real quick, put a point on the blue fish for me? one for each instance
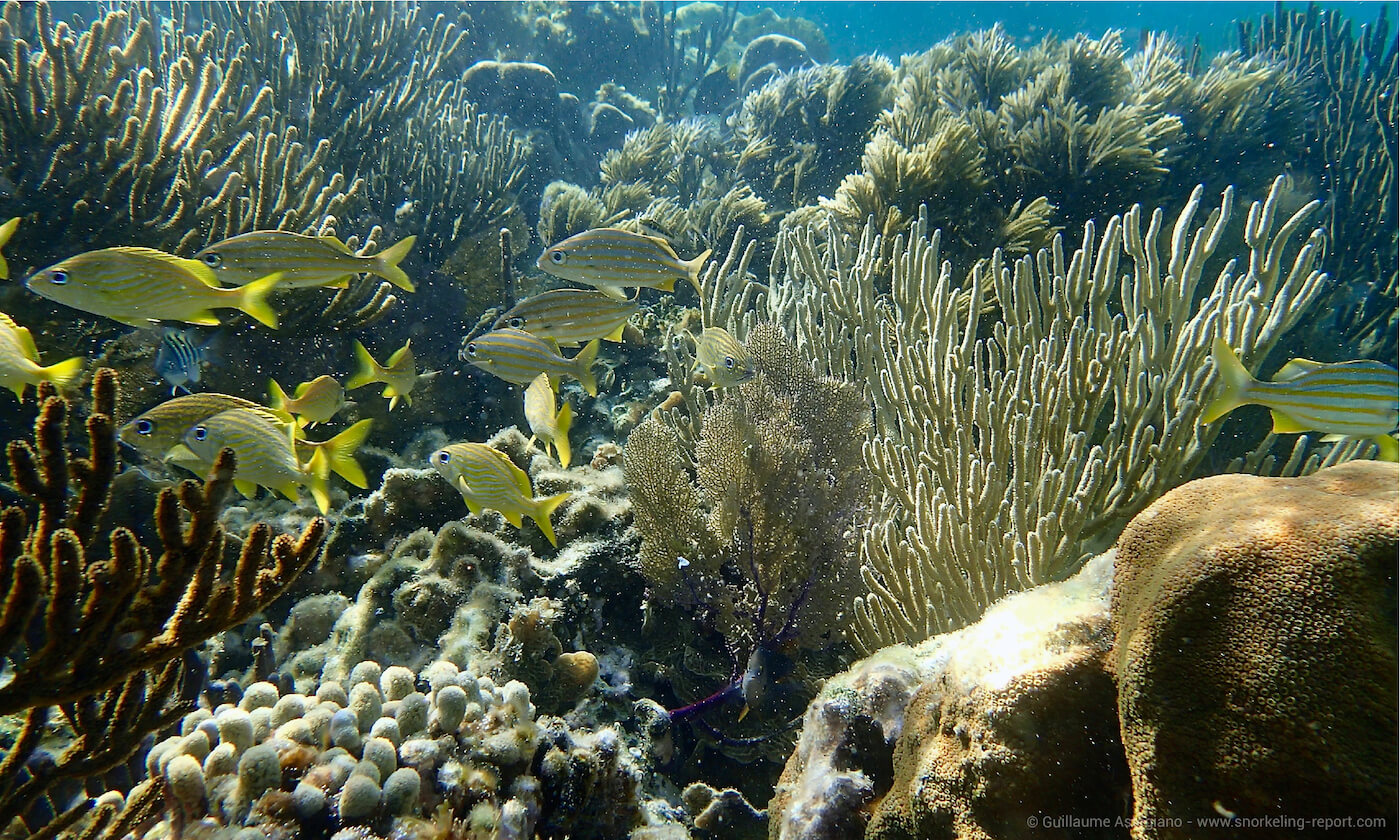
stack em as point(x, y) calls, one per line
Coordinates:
point(180, 361)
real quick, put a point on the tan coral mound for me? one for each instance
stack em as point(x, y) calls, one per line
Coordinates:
point(1255, 651)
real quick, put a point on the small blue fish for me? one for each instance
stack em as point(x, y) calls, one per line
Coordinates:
point(180, 361)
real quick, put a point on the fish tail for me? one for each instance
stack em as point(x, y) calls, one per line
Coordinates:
point(562, 421)
point(62, 373)
point(693, 267)
point(1237, 381)
point(279, 401)
point(317, 484)
point(540, 512)
point(583, 367)
point(1390, 448)
point(369, 373)
point(340, 453)
point(253, 299)
point(7, 230)
point(386, 263)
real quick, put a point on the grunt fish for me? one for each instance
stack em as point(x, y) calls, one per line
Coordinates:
point(140, 286)
point(612, 259)
point(7, 230)
point(314, 402)
point(570, 317)
point(180, 361)
point(158, 433)
point(19, 361)
point(1347, 399)
point(266, 454)
point(486, 478)
point(398, 374)
point(545, 424)
point(518, 357)
point(724, 359)
point(302, 260)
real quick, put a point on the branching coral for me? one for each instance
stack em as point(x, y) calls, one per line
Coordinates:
point(751, 538)
point(96, 625)
point(1353, 81)
point(1010, 448)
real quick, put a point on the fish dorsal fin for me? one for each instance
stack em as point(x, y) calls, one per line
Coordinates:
point(517, 475)
point(1296, 368)
point(194, 268)
point(663, 244)
point(26, 343)
point(7, 321)
point(399, 355)
point(335, 243)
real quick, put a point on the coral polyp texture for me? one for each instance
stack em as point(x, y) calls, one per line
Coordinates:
point(660, 371)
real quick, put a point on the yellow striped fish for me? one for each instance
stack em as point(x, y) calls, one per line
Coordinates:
point(570, 317)
point(314, 402)
point(545, 424)
point(19, 361)
point(7, 230)
point(611, 259)
point(486, 479)
point(518, 357)
point(139, 286)
point(398, 374)
point(302, 260)
point(159, 432)
point(1348, 399)
point(724, 359)
point(266, 454)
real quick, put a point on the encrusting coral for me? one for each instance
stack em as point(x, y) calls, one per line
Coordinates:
point(99, 626)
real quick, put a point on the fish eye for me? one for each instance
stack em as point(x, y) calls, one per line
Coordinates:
point(556, 257)
point(729, 362)
point(213, 260)
point(200, 433)
point(516, 323)
point(471, 349)
point(58, 278)
point(444, 457)
point(144, 427)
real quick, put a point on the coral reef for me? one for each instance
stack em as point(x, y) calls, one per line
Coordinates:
point(1255, 648)
point(969, 733)
point(99, 626)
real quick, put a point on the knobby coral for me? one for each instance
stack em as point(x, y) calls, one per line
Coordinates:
point(99, 626)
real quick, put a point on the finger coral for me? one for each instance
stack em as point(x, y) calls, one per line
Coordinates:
point(97, 625)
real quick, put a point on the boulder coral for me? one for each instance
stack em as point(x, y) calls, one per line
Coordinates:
point(1255, 649)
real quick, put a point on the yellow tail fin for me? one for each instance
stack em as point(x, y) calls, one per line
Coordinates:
point(316, 483)
point(279, 401)
point(339, 453)
point(64, 372)
point(562, 421)
point(254, 299)
point(369, 373)
point(1237, 381)
point(583, 367)
point(386, 263)
point(693, 267)
point(7, 230)
point(541, 513)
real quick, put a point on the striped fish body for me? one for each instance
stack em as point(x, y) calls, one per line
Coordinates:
point(398, 373)
point(19, 360)
point(314, 402)
point(156, 432)
point(487, 479)
point(545, 423)
point(303, 261)
point(518, 357)
point(724, 359)
point(265, 450)
point(1351, 399)
point(139, 286)
point(611, 259)
point(570, 317)
point(179, 360)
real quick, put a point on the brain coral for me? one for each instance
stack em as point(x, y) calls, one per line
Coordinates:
point(1255, 651)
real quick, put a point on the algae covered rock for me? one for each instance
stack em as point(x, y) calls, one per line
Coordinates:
point(974, 733)
point(1255, 623)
